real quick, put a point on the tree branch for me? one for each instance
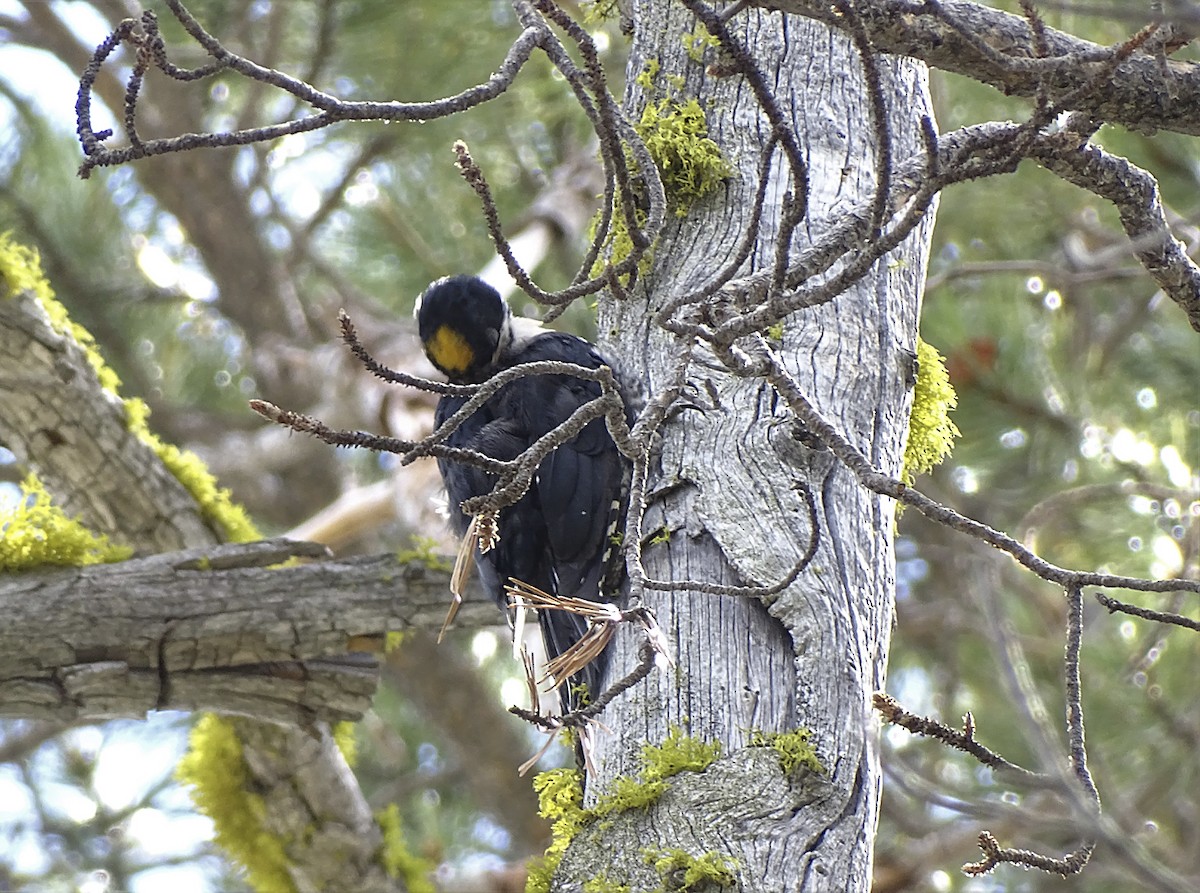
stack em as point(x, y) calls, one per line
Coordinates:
point(999, 49)
point(221, 629)
point(144, 35)
point(61, 419)
point(1134, 193)
point(964, 740)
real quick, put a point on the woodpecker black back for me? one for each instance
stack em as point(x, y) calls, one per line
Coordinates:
point(557, 537)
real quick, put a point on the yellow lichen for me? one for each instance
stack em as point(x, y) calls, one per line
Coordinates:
point(698, 41)
point(560, 799)
point(215, 502)
point(346, 741)
point(216, 771)
point(794, 749)
point(424, 550)
point(627, 793)
point(21, 271)
point(930, 432)
point(394, 638)
point(601, 883)
point(660, 536)
point(560, 795)
point(599, 11)
point(619, 243)
point(691, 165)
point(678, 753)
point(398, 860)
point(37, 533)
point(681, 871)
point(645, 78)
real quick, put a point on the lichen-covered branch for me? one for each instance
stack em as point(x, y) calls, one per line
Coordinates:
point(295, 671)
point(212, 629)
point(61, 418)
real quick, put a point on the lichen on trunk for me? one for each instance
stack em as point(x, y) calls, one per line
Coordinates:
point(722, 497)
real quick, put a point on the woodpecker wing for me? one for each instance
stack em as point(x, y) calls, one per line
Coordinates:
point(578, 488)
point(500, 438)
point(579, 483)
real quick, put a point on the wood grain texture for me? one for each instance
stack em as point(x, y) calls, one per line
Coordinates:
point(724, 489)
point(213, 629)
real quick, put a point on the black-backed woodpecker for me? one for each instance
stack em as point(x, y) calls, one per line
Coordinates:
point(558, 536)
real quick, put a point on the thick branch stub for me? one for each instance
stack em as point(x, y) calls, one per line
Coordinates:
point(225, 630)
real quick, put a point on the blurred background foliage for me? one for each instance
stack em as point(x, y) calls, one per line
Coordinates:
point(215, 276)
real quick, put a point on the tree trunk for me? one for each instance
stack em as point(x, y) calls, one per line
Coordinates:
point(723, 486)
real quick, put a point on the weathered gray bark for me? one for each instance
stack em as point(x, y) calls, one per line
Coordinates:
point(55, 416)
point(723, 488)
point(1145, 92)
point(331, 811)
point(314, 805)
point(215, 629)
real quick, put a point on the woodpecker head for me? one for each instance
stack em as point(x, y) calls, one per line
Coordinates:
point(464, 326)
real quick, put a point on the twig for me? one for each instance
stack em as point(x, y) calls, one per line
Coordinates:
point(878, 482)
point(647, 656)
point(882, 143)
point(963, 740)
point(350, 337)
point(365, 440)
point(329, 109)
point(1074, 692)
point(994, 854)
point(1147, 614)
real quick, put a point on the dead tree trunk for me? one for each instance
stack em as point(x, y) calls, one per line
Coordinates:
point(722, 491)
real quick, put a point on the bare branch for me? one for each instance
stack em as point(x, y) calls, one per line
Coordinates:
point(329, 109)
point(583, 716)
point(963, 740)
point(1134, 193)
point(1147, 614)
point(994, 854)
point(306, 424)
point(1074, 692)
point(881, 200)
point(1000, 49)
point(382, 372)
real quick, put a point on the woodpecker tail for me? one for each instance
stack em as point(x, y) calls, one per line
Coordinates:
point(561, 630)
